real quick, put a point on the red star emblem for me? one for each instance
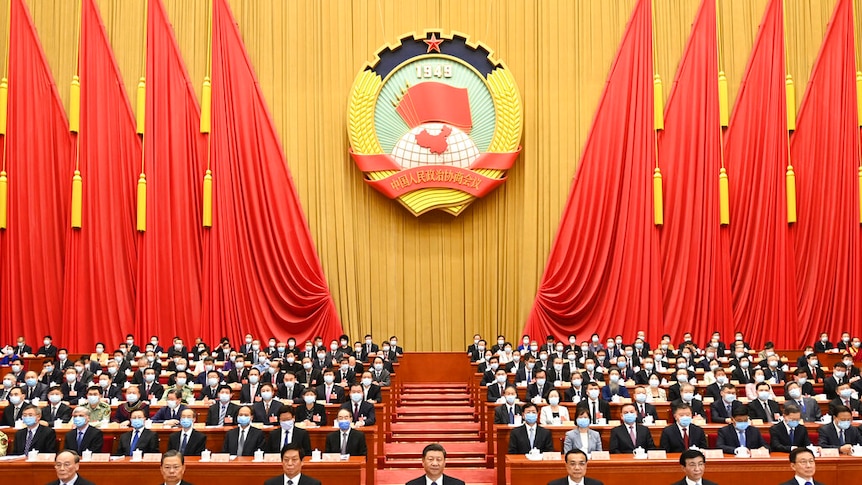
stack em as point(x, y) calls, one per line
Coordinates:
point(433, 43)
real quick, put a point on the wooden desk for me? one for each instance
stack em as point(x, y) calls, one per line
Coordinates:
point(625, 470)
point(241, 470)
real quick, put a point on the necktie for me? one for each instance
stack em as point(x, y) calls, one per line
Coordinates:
point(241, 442)
point(328, 392)
point(290, 482)
point(633, 435)
point(221, 415)
point(29, 442)
point(594, 413)
point(356, 411)
point(685, 438)
point(266, 408)
point(80, 439)
point(511, 416)
point(741, 438)
point(528, 376)
point(791, 435)
point(641, 406)
point(53, 413)
point(766, 411)
point(344, 443)
point(532, 436)
point(801, 405)
point(728, 410)
point(808, 483)
point(285, 439)
point(184, 443)
point(134, 442)
point(841, 438)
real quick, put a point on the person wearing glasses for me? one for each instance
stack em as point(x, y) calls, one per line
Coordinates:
point(802, 463)
point(693, 464)
point(66, 464)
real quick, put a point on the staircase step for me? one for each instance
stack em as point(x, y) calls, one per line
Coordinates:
point(434, 410)
point(435, 397)
point(403, 475)
point(454, 450)
point(408, 428)
point(437, 419)
point(450, 462)
point(435, 385)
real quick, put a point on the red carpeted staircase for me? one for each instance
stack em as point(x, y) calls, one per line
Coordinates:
point(444, 413)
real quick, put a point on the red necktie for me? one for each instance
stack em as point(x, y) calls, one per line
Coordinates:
point(685, 437)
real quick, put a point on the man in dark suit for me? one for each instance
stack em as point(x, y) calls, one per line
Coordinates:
point(362, 412)
point(346, 441)
point(524, 438)
point(739, 434)
point(266, 410)
point(56, 409)
point(328, 391)
point(33, 388)
point(290, 390)
point(809, 407)
point(630, 435)
point(598, 407)
point(173, 467)
point(693, 464)
point(576, 469)
point(681, 435)
point(33, 436)
point(47, 349)
point(687, 396)
point(250, 392)
point(434, 463)
point(541, 388)
point(643, 408)
point(187, 441)
point(239, 374)
point(505, 414)
point(291, 463)
point(170, 414)
point(83, 436)
point(840, 433)
point(838, 377)
point(72, 388)
point(788, 434)
point(66, 464)
point(22, 349)
point(245, 439)
point(802, 463)
point(763, 407)
point(287, 433)
point(722, 410)
point(845, 393)
point(222, 412)
point(12, 412)
point(139, 438)
point(370, 390)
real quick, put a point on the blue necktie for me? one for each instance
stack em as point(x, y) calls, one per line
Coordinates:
point(184, 443)
point(841, 438)
point(134, 443)
point(511, 416)
point(80, 439)
point(742, 439)
point(791, 435)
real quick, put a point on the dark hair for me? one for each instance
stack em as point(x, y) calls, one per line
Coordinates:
point(690, 455)
point(791, 408)
point(798, 451)
point(291, 447)
point(740, 411)
point(172, 454)
point(836, 410)
point(433, 447)
point(528, 406)
point(575, 451)
point(286, 409)
point(30, 406)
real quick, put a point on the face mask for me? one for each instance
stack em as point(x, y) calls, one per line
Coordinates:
point(848, 363)
point(729, 398)
point(378, 367)
point(224, 397)
point(653, 383)
point(687, 396)
point(838, 374)
point(494, 366)
point(619, 341)
point(610, 345)
point(181, 367)
point(357, 349)
point(30, 382)
point(759, 378)
point(683, 378)
point(710, 356)
point(763, 395)
point(79, 421)
point(664, 347)
point(639, 346)
point(630, 418)
point(684, 421)
point(46, 342)
point(795, 393)
point(857, 344)
point(516, 358)
point(534, 348)
point(540, 382)
point(585, 349)
point(255, 347)
point(543, 357)
point(181, 381)
point(501, 379)
point(307, 366)
point(553, 401)
point(132, 398)
point(137, 423)
point(641, 398)
point(366, 381)
point(286, 425)
point(7, 383)
point(321, 355)
point(243, 420)
point(595, 340)
point(333, 346)
point(773, 363)
point(844, 425)
point(583, 422)
point(150, 378)
point(54, 398)
point(615, 379)
point(356, 397)
point(814, 362)
point(530, 365)
point(802, 381)
point(721, 380)
point(187, 423)
point(571, 357)
point(739, 355)
point(571, 341)
point(308, 399)
point(560, 349)
point(328, 379)
point(290, 360)
point(846, 393)
point(172, 404)
point(253, 379)
point(593, 393)
point(15, 400)
point(622, 364)
point(577, 382)
point(29, 420)
point(499, 342)
point(510, 400)
point(266, 395)
point(591, 367)
point(741, 425)
point(343, 425)
point(71, 378)
point(103, 383)
point(822, 339)
point(558, 367)
point(93, 400)
point(530, 418)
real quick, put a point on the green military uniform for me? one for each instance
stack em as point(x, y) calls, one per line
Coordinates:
point(4, 442)
point(101, 412)
point(188, 392)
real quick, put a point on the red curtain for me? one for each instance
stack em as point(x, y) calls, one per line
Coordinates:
point(261, 270)
point(762, 266)
point(825, 154)
point(695, 253)
point(99, 302)
point(603, 271)
point(38, 162)
point(168, 300)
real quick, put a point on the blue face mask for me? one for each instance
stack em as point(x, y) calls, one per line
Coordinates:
point(187, 422)
point(685, 421)
point(583, 422)
point(30, 382)
point(344, 425)
point(29, 420)
point(79, 421)
point(530, 418)
point(741, 425)
point(792, 423)
point(286, 425)
point(243, 420)
point(630, 418)
point(844, 424)
point(137, 423)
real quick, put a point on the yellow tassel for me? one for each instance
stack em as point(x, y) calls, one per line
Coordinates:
point(77, 199)
point(860, 195)
point(723, 197)
point(658, 103)
point(859, 97)
point(4, 102)
point(208, 199)
point(658, 197)
point(723, 103)
point(142, 202)
point(791, 102)
point(141, 107)
point(75, 105)
point(4, 196)
point(790, 179)
point(206, 105)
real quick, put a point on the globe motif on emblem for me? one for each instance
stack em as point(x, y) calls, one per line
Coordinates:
point(435, 144)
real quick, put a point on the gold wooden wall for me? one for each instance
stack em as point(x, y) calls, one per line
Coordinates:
point(433, 280)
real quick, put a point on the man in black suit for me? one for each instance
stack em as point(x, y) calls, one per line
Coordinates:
point(840, 433)
point(173, 467)
point(370, 390)
point(187, 441)
point(66, 464)
point(524, 438)
point(139, 438)
point(223, 412)
point(290, 391)
point(505, 414)
point(802, 463)
point(598, 407)
point(681, 435)
point(576, 469)
point(151, 388)
point(541, 388)
point(56, 409)
point(845, 393)
point(687, 396)
point(250, 392)
point(739, 434)
point(34, 436)
point(266, 410)
point(346, 441)
point(722, 410)
point(12, 412)
point(47, 349)
point(787, 434)
point(72, 388)
point(693, 464)
point(362, 412)
point(498, 386)
point(630, 435)
point(239, 374)
point(329, 391)
point(245, 439)
point(35, 389)
point(83, 436)
point(763, 407)
point(291, 463)
point(434, 463)
point(643, 408)
point(22, 348)
point(287, 433)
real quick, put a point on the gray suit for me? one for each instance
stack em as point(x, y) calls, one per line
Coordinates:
point(812, 409)
point(573, 440)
